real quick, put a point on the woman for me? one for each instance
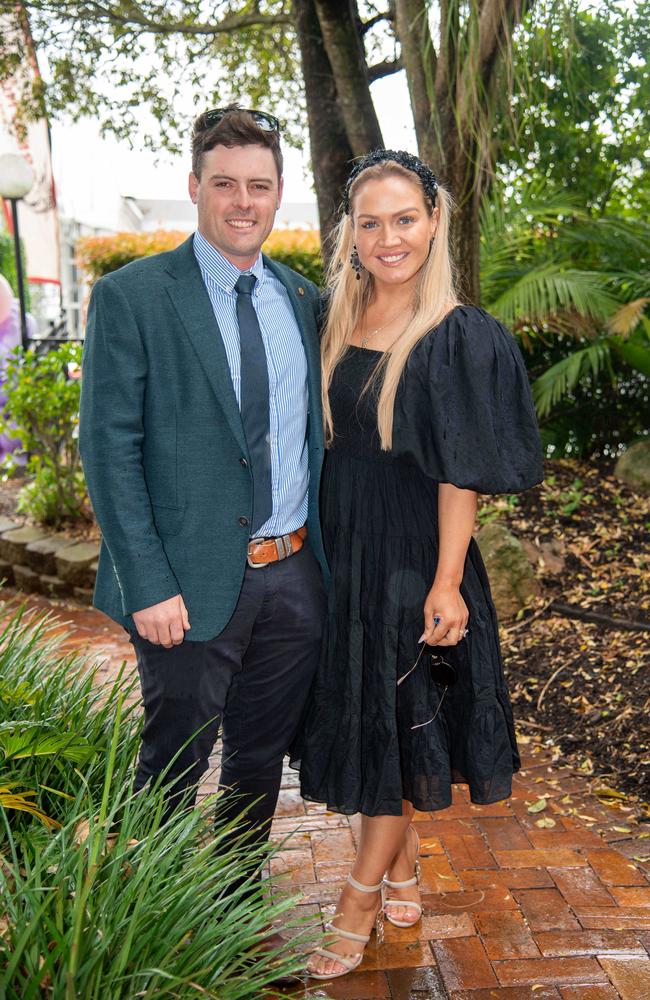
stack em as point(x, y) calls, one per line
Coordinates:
point(426, 404)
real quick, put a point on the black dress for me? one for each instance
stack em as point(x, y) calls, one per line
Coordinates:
point(463, 415)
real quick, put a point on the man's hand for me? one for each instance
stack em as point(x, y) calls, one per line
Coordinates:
point(164, 624)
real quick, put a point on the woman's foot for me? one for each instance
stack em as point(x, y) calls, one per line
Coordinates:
point(356, 914)
point(404, 868)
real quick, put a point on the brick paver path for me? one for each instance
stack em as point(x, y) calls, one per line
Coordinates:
point(513, 910)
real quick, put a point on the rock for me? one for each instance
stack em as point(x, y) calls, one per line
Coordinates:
point(73, 563)
point(14, 542)
point(83, 594)
point(6, 573)
point(27, 580)
point(548, 557)
point(512, 578)
point(633, 467)
point(41, 554)
point(6, 524)
point(53, 587)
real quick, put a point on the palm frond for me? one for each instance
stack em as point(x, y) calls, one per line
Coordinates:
point(559, 380)
point(628, 317)
point(550, 288)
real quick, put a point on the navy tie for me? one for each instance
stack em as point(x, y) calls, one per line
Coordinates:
point(254, 401)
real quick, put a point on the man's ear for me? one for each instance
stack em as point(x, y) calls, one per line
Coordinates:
point(280, 190)
point(193, 187)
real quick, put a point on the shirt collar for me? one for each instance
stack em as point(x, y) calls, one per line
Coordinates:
point(221, 270)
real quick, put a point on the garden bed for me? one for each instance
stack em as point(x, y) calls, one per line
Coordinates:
point(586, 685)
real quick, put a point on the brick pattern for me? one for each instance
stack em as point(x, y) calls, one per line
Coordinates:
point(513, 910)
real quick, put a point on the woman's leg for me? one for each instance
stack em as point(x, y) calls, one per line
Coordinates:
point(381, 839)
point(401, 869)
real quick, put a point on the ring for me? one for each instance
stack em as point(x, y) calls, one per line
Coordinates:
point(437, 619)
point(465, 632)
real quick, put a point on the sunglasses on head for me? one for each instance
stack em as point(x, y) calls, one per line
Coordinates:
point(440, 671)
point(269, 123)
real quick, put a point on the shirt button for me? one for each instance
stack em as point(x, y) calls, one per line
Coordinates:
point(243, 521)
point(243, 462)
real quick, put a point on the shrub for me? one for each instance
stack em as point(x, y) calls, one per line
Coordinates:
point(105, 900)
point(42, 410)
point(99, 255)
point(8, 264)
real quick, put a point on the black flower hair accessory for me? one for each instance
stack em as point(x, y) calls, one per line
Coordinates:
point(413, 163)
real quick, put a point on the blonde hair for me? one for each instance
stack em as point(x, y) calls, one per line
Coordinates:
point(434, 296)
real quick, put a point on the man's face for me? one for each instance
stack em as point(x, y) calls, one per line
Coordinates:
point(237, 197)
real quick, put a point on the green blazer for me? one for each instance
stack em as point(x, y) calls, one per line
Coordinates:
point(162, 442)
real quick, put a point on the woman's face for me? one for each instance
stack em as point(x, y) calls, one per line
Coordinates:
point(392, 228)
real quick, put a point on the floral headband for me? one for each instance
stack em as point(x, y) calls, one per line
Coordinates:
point(407, 160)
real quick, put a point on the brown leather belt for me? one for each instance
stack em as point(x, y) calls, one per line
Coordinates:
point(262, 551)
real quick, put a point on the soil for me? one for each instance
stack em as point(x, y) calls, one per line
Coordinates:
point(585, 686)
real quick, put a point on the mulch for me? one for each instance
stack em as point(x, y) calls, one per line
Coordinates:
point(584, 687)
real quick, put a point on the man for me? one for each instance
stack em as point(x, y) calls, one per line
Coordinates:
point(201, 440)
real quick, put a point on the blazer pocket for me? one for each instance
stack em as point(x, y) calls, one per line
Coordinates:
point(168, 520)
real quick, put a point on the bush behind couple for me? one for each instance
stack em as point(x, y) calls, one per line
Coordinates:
point(278, 597)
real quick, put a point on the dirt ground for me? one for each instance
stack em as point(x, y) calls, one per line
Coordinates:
point(584, 685)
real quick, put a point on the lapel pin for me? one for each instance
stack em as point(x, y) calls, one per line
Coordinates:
point(301, 290)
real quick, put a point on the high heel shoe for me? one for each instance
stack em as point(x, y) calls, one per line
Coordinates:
point(350, 962)
point(405, 903)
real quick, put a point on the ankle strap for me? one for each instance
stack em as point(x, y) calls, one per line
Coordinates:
point(401, 885)
point(363, 888)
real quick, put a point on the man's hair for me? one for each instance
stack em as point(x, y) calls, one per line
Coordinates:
point(236, 128)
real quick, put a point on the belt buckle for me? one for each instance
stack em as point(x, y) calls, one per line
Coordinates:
point(253, 565)
point(284, 546)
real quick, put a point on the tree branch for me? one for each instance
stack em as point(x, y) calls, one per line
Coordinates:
point(385, 68)
point(133, 16)
point(371, 22)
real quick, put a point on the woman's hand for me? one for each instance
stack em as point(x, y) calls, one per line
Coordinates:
point(445, 602)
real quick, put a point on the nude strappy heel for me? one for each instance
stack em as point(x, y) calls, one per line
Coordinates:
point(407, 904)
point(350, 962)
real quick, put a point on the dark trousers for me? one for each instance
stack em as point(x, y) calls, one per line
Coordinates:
point(252, 680)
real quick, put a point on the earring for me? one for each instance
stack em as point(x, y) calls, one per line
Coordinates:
point(355, 261)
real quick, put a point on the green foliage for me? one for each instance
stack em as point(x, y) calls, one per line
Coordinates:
point(8, 263)
point(580, 119)
point(54, 721)
point(43, 404)
point(574, 286)
point(110, 68)
point(100, 899)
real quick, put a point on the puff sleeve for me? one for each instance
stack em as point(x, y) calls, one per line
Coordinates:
point(464, 412)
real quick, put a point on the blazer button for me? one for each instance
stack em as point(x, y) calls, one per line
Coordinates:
point(242, 461)
point(243, 521)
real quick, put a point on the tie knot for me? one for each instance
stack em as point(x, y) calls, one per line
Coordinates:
point(245, 284)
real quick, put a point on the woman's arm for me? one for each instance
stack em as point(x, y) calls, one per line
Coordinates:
point(456, 516)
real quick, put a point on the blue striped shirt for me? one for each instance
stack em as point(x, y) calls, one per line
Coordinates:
point(287, 368)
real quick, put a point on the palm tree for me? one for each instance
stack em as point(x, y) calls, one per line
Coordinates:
point(570, 282)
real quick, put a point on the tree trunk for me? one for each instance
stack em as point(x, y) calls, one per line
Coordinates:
point(460, 177)
point(344, 47)
point(331, 152)
point(416, 44)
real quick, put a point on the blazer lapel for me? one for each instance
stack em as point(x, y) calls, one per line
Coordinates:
point(192, 304)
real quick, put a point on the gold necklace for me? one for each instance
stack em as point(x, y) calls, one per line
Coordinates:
point(366, 340)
